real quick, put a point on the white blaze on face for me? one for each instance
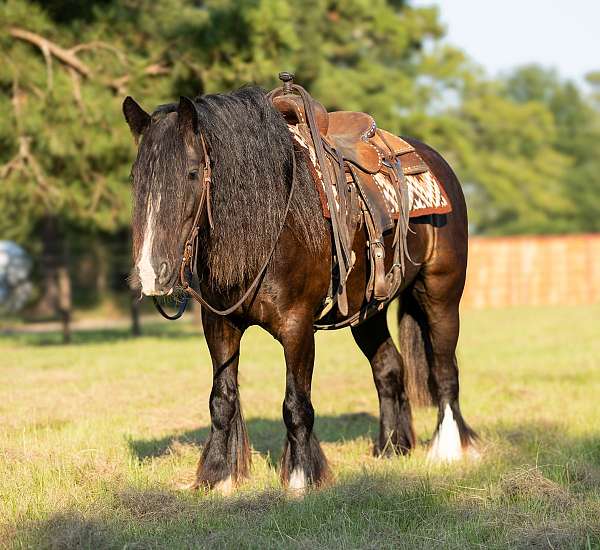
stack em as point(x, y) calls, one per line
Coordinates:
point(144, 265)
point(446, 445)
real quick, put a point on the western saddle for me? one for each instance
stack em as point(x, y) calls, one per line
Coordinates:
point(350, 150)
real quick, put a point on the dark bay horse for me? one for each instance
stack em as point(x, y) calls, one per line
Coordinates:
point(253, 160)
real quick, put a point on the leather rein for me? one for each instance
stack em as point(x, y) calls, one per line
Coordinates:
point(190, 250)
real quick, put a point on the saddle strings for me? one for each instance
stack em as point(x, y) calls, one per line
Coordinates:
point(400, 243)
point(342, 246)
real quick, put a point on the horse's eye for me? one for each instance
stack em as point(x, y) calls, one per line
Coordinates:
point(193, 175)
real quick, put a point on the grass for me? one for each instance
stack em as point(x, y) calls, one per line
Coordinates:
point(95, 437)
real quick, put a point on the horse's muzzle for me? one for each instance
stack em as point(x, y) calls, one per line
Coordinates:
point(160, 282)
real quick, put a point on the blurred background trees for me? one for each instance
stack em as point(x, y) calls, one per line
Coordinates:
point(524, 145)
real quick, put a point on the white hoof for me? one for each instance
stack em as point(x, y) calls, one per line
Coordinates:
point(297, 483)
point(446, 445)
point(225, 487)
point(189, 486)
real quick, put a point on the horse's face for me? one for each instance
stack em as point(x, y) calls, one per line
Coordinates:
point(165, 190)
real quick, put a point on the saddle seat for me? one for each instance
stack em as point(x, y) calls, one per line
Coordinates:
point(354, 135)
point(349, 134)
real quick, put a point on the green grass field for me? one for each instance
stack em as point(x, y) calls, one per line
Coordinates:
point(96, 437)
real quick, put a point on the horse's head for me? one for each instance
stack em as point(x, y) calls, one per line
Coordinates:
point(166, 187)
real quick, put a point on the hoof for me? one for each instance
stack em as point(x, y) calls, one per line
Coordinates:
point(447, 446)
point(297, 484)
point(186, 486)
point(225, 487)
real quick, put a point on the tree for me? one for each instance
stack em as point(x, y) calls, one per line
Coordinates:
point(507, 157)
point(65, 155)
point(68, 65)
point(577, 123)
point(66, 151)
point(524, 145)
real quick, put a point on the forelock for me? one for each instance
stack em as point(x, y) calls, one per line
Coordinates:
point(161, 156)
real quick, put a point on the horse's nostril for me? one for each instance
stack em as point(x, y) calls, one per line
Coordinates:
point(163, 273)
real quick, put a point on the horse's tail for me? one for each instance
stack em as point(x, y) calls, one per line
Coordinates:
point(415, 347)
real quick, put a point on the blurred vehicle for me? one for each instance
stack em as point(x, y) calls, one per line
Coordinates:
point(15, 269)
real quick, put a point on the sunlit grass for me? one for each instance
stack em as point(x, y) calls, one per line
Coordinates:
point(96, 437)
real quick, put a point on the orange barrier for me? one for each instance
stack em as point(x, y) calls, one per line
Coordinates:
point(533, 270)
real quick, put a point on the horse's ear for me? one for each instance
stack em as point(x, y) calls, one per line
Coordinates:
point(136, 117)
point(187, 116)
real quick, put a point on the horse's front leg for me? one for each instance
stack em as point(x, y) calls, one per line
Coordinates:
point(225, 458)
point(303, 463)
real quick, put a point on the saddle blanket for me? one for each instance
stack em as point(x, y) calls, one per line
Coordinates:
point(426, 195)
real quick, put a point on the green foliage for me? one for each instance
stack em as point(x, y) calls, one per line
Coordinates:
point(526, 150)
point(60, 132)
point(513, 172)
point(525, 146)
point(577, 136)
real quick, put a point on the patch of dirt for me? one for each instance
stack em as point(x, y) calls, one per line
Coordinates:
point(155, 505)
point(554, 535)
point(529, 482)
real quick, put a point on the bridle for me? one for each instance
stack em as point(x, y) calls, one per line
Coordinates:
point(189, 259)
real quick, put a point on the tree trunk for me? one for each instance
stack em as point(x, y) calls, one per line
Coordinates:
point(102, 260)
point(46, 305)
point(55, 300)
point(64, 299)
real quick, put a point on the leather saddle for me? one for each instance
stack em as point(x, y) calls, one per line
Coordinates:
point(353, 134)
point(350, 152)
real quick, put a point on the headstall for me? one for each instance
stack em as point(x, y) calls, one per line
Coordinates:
point(190, 251)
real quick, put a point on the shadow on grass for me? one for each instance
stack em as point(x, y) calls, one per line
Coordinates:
point(86, 336)
point(267, 435)
point(367, 510)
point(504, 502)
point(158, 518)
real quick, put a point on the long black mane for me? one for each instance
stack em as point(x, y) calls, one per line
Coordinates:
point(251, 156)
point(251, 151)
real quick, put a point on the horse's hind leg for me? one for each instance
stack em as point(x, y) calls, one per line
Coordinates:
point(225, 458)
point(303, 462)
point(396, 433)
point(436, 304)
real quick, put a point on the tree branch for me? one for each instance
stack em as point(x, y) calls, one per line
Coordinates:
point(77, 67)
point(24, 161)
point(65, 56)
point(97, 44)
point(118, 84)
point(77, 90)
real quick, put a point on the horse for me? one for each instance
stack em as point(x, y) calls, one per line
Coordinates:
point(262, 240)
